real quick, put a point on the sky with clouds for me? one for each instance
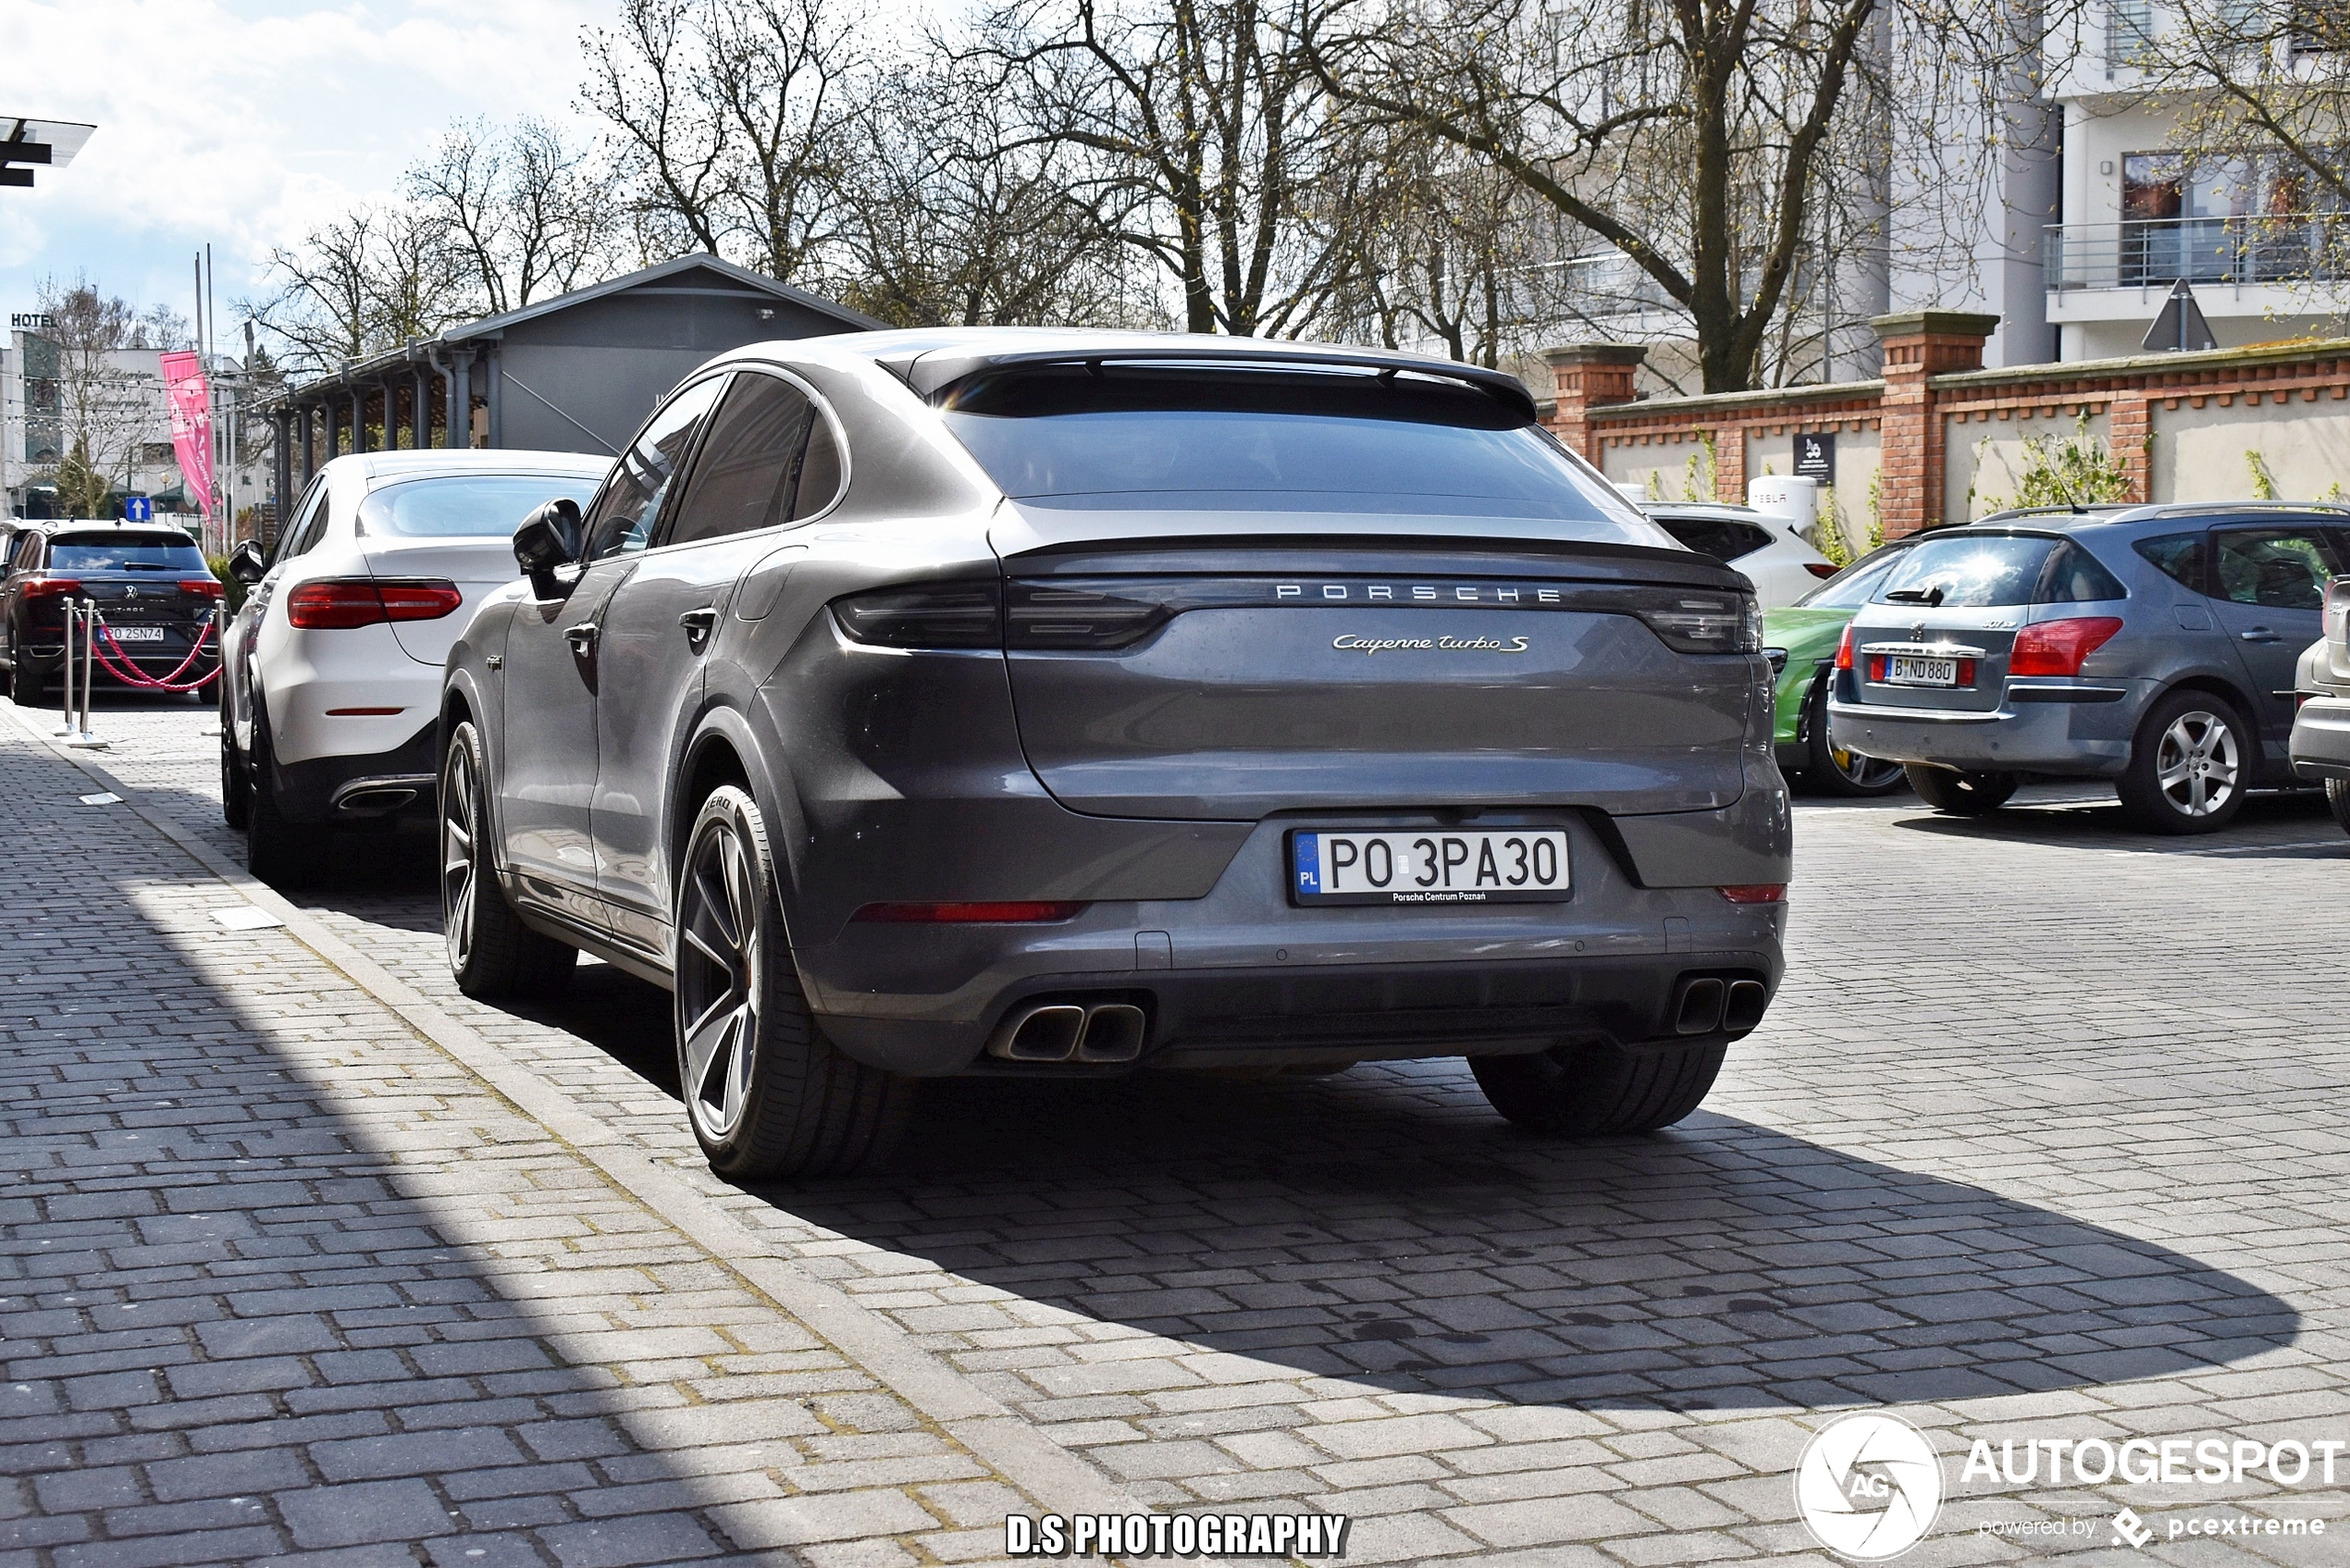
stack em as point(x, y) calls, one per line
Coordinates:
point(245, 122)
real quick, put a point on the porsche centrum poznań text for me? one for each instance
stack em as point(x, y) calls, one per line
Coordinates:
point(1050, 703)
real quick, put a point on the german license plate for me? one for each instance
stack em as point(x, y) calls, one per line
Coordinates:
point(1901, 670)
point(1429, 866)
point(137, 634)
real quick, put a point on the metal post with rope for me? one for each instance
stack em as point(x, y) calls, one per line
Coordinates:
point(79, 734)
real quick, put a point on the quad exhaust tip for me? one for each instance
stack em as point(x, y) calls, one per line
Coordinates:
point(1709, 1004)
point(1071, 1031)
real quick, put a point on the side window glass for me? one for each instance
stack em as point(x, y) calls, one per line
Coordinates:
point(2075, 576)
point(2178, 557)
point(743, 479)
point(307, 523)
point(2278, 568)
point(629, 507)
point(29, 552)
point(820, 472)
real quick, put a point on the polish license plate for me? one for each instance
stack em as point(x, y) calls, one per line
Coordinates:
point(136, 634)
point(1903, 671)
point(1429, 866)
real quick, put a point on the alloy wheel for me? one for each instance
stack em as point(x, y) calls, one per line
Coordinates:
point(457, 836)
point(1863, 772)
point(719, 981)
point(2196, 765)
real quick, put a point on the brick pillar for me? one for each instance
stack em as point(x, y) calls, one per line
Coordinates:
point(1920, 345)
point(1729, 464)
point(2129, 422)
point(1589, 375)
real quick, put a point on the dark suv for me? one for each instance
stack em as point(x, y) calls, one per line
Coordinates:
point(2151, 645)
point(1055, 704)
point(150, 584)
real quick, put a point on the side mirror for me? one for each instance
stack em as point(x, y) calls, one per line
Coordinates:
point(246, 564)
point(548, 538)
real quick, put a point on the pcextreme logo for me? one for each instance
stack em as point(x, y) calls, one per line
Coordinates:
point(1869, 1486)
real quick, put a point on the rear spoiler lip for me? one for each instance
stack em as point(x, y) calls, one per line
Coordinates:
point(1376, 555)
point(933, 375)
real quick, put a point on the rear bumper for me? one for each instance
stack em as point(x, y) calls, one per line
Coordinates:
point(2078, 729)
point(1240, 977)
point(2320, 746)
point(343, 789)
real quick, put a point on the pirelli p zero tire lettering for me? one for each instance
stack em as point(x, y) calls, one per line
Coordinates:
point(491, 953)
point(767, 1093)
point(1596, 1089)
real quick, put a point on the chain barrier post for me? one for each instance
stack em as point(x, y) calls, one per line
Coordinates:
point(65, 705)
point(81, 739)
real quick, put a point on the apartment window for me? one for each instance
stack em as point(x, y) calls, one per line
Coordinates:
point(2320, 27)
point(2129, 30)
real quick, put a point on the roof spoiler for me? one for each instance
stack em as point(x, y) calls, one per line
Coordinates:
point(932, 375)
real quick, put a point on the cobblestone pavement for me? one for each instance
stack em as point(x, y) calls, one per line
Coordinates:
point(2043, 1139)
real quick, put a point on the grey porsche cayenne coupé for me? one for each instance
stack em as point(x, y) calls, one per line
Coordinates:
point(1025, 702)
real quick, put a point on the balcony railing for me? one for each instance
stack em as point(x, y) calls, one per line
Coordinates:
point(2276, 248)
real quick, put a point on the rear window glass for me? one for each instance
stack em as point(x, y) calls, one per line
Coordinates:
point(2178, 557)
point(1724, 538)
point(466, 506)
point(1850, 589)
point(125, 553)
point(1968, 572)
point(2075, 576)
point(1203, 436)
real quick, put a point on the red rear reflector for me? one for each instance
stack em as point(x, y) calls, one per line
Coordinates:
point(1844, 649)
point(362, 713)
point(1822, 569)
point(340, 603)
point(1755, 893)
point(967, 914)
point(2057, 647)
point(48, 588)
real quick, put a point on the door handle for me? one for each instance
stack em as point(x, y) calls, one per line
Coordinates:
point(699, 623)
point(581, 637)
point(2260, 633)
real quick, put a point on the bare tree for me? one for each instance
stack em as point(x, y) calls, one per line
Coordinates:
point(734, 115)
point(106, 408)
point(370, 281)
point(1196, 133)
point(525, 212)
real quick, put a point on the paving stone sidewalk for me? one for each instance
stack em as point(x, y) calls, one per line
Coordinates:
point(2043, 1139)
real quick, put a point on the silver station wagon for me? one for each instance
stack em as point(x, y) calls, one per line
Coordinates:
point(2153, 646)
point(1058, 704)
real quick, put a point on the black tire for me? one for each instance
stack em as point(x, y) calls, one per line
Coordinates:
point(236, 783)
point(2190, 764)
point(1598, 1090)
point(766, 1094)
point(2338, 802)
point(1849, 774)
point(281, 852)
point(1958, 792)
point(491, 953)
point(29, 682)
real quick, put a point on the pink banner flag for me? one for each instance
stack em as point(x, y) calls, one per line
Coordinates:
point(191, 402)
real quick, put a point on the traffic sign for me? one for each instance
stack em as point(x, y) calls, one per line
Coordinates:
point(138, 509)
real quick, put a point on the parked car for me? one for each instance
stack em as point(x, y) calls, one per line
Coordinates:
point(1061, 703)
point(2151, 646)
point(332, 687)
point(150, 584)
point(1769, 548)
point(2320, 741)
point(1800, 641)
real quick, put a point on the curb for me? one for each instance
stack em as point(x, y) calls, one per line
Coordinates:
point(1051, 1476)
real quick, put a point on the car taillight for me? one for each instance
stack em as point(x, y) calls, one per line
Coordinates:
point(2057, 647)
point(1696, 621)
point(203, 587)
point(1823, 570)
point(1755, 893)
point(340, 603)
point(935, 615)
point(1000, 913)
point(50, 588)
point(1844, 649)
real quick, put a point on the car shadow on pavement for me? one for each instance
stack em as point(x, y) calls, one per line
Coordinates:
point(2295, 826)
point(1383, 1228)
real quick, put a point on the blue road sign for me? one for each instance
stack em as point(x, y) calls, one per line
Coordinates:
point(138, 509)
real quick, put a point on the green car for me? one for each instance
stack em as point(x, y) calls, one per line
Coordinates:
point(1800, 641)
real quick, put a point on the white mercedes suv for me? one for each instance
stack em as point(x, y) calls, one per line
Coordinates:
point(330, 682)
